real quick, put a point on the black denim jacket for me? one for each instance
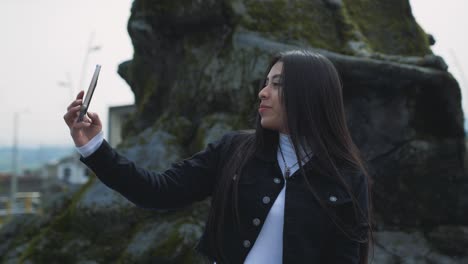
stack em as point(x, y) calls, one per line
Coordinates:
point(309, 234)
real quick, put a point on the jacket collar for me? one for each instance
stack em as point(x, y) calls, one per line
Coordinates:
point(268, 153)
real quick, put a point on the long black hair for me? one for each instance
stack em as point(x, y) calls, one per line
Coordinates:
point(312, 97)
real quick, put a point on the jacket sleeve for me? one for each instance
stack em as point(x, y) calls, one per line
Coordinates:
point(349, 247)
point(184, 182)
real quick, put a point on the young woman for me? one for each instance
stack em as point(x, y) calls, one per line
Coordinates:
point(294, 191)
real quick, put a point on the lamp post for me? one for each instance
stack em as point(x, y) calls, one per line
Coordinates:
point(14, 162)
point(68, 84)
point(89, 50)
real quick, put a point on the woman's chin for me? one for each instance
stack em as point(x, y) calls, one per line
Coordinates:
point(269, 126)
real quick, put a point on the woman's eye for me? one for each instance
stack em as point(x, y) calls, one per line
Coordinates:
point(275, 84)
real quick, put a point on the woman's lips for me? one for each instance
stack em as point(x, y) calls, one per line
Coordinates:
point(263, 109)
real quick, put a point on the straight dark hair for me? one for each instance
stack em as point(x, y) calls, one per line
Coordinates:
point(312, 97)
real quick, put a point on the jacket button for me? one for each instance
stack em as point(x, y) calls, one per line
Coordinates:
point(332, 198)
point(266, 200)
point(277, 180)
point(246, 243)
point(256, 222)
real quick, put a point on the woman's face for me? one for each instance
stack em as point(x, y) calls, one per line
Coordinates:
point(271, 109)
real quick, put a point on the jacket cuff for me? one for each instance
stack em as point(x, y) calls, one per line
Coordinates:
point(90, 147)
point(101, 158)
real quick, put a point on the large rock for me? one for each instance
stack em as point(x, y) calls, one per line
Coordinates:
point(195, 74)
point(409, 247)
point(452, 240)
point(185, 53)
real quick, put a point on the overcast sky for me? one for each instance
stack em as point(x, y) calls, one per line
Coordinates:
point(43, 41)
point(44, 46)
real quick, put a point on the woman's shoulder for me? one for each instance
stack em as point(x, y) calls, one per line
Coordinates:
point(231, 140)
point(238, 136)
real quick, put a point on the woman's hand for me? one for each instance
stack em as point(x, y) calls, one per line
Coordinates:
point(84, 131)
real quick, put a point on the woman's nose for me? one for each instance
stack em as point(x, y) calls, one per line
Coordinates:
point(263, 93)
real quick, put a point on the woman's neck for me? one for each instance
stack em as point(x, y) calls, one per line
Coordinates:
point(288, 148)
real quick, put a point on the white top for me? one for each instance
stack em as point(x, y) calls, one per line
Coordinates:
point(268, 248)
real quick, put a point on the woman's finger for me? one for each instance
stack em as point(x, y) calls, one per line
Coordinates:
point(69, 118)
point(80, 125)
point(71, 114)
point(78, 99)
point(80, 95)
point(75, 103)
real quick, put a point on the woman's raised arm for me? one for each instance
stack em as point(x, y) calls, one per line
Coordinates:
point(185, 182)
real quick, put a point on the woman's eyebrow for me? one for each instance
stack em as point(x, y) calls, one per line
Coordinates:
point(274, 76)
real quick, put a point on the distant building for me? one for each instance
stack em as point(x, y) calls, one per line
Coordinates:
point(25, 183)
point(49, 171)
point(68, 169)
point(117, 116)
point(71, 170)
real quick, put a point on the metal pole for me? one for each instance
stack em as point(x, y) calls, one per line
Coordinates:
point(85, 61)
point(14, 164)
point(70, 86)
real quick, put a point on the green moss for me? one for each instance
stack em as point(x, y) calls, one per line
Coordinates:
point(309, 22)
point(58, 224)
point(26, 229)
point(349, 30)
point(171, 245)
point(178, 126)
point(74, 236)
point(77, 236)
point(383, 26)
point(142, 140)
point(128, 127)
point(124, 257)
point(149, 88)
point(174, 247)
point(388, 26)
point(212, 127)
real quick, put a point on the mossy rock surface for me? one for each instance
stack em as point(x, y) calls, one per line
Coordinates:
point(196, 73)
point(185, 52)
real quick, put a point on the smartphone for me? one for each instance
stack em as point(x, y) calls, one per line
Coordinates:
point(89, 94)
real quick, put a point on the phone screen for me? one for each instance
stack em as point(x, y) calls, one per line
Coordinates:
point(89, 93)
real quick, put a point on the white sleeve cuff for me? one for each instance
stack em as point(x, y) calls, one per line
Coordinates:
point(90, 147)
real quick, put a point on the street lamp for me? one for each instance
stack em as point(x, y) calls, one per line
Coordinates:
point(14, 161)
point(68, 84)
point(89, 50)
